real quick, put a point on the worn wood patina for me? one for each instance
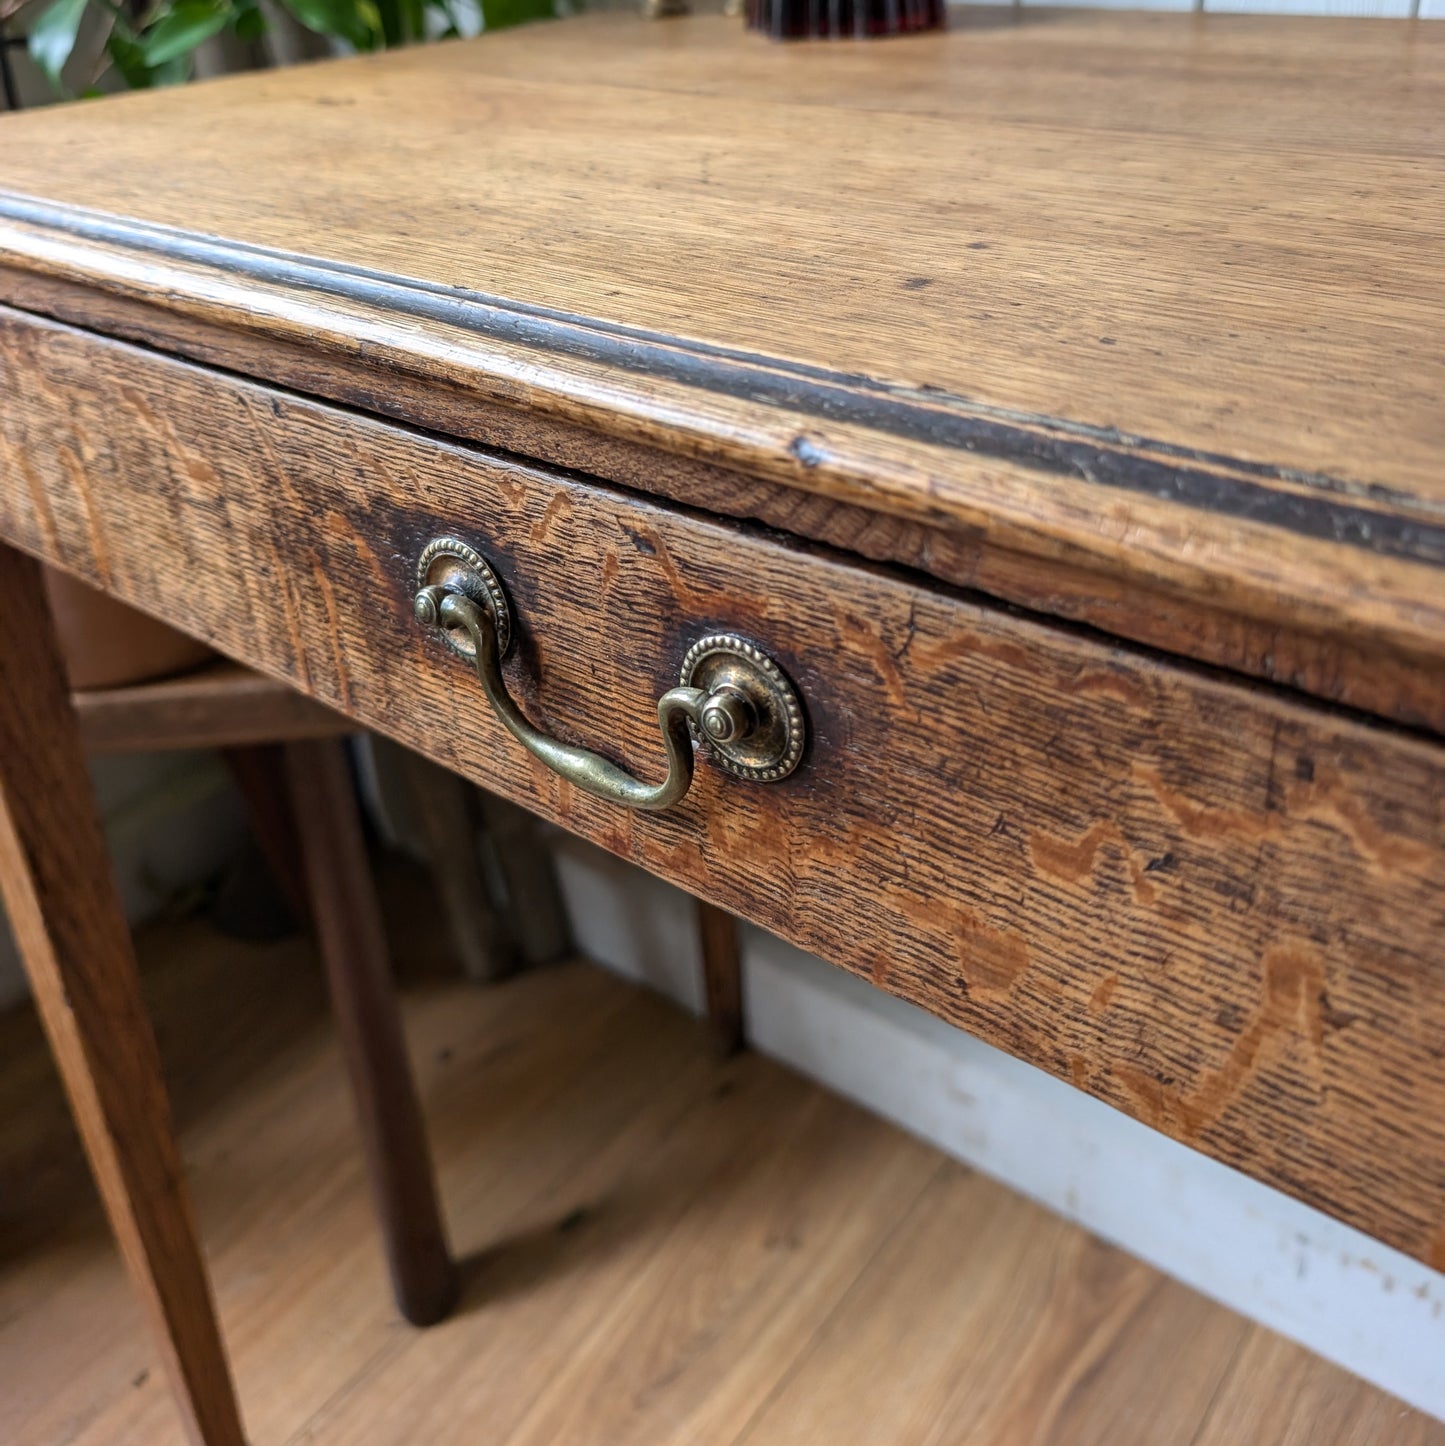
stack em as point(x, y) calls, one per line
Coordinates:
point(1056, 400)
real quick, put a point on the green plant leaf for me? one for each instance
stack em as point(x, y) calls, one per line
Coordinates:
point(250, 23)
point(391, 18)
point(172, 72)
point(498, 14)
point(355, 20)
point(371, 16)
point(52, 37)
point(126, 55)
point(181, 29)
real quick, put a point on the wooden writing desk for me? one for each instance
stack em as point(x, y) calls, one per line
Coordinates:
point(1053, 408)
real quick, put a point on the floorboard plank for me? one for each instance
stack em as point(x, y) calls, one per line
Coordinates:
point(659, 1247)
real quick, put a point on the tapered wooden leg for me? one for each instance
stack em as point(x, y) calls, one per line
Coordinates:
point(535, 911)
point(446, 814)
point(259, 772)
point(358, 971)
point(722, 976)
point(67, 919)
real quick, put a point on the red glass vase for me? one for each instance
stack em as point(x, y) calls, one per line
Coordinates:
point(842, 19)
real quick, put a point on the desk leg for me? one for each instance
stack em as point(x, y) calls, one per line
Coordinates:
point(363, 1001)
point(722, 977)
point(67, 918)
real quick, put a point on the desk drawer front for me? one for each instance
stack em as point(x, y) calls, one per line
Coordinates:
point(1210, 905)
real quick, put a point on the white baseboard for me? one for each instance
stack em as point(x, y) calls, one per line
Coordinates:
point(1352, 1300)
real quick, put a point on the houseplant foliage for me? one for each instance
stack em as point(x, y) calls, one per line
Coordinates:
point(151, 42)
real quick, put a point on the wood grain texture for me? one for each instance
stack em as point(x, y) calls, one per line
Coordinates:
point(1368, 675)
point(1207, 904)
point(222, 705)
point(666, 1249)
point(61, 900)
point(305, 820)
point(1150, 297)
point(722, 977)
point(358, 973)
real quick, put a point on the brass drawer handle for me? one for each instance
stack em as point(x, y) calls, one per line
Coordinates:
point(739, 701)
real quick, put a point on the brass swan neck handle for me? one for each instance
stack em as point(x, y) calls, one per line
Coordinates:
point(587, 770)
point(742, 706)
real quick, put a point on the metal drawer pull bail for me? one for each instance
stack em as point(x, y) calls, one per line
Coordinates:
point(741, 704)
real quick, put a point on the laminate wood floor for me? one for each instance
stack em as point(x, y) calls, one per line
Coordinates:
point(659, 1249)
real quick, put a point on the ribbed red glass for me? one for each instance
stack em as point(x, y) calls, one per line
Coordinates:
point(843, 19)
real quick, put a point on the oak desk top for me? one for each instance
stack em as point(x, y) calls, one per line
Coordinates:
point(896, 428)
point(1134, 319)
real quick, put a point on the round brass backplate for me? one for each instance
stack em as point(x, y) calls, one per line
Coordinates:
point(771, 748)
point(448, 562)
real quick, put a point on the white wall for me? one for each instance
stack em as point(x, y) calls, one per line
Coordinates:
point(1357, 1302)
point(171, 820)
point(1397, 9)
